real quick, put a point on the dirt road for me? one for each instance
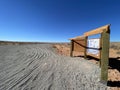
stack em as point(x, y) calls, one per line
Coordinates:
point(38, 67)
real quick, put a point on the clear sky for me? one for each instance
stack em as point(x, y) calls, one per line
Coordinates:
point(56, 20)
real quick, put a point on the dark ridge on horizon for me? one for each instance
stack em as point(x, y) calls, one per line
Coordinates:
point(26, 42)
point(115, 42)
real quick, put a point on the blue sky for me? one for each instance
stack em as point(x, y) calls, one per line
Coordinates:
point(56, 20)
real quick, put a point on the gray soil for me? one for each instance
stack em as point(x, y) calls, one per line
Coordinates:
point(39, 67)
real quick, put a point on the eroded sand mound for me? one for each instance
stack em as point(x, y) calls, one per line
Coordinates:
point(38, 67)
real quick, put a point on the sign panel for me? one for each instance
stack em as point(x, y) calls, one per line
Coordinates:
point(93, 46)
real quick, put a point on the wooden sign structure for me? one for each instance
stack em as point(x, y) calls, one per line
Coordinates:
point(98, 48)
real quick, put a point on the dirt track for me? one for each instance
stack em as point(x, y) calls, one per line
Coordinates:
point(38, 67)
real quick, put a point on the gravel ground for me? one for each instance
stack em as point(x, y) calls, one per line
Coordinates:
point(39, 67)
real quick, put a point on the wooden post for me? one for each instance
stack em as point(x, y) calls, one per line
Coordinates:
point(85, 51)
point(71, 48)
point(100, 50)
point(105, 55)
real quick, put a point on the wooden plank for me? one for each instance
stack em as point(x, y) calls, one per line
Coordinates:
point(93, 55)
point(71, 48)
point(105, 55)
point(100, 50)
point(98, 30)
point(79, 45)
point(85, 52)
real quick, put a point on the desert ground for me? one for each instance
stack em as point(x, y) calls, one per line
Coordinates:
point(43, 66)
point(114, 62)
point(40, 67)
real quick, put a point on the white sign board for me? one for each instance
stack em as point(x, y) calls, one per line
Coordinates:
point(93, 45)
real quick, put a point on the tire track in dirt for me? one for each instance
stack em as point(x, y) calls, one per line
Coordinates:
point(38, 67)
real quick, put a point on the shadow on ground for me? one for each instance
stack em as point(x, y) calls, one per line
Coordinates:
point(113, 83)
point(114, 63)
point(88, 57)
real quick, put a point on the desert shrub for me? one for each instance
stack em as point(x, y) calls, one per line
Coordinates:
point(54, 46)
point(118, 52)
point(114, 47)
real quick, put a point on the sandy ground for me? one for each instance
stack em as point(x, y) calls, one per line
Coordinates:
point(114, 63)
point(39, 67)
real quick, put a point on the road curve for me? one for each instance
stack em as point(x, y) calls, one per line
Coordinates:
point(38, 67)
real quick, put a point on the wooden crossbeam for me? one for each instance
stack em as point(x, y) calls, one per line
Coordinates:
point(98, 30)
point(77, 38)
